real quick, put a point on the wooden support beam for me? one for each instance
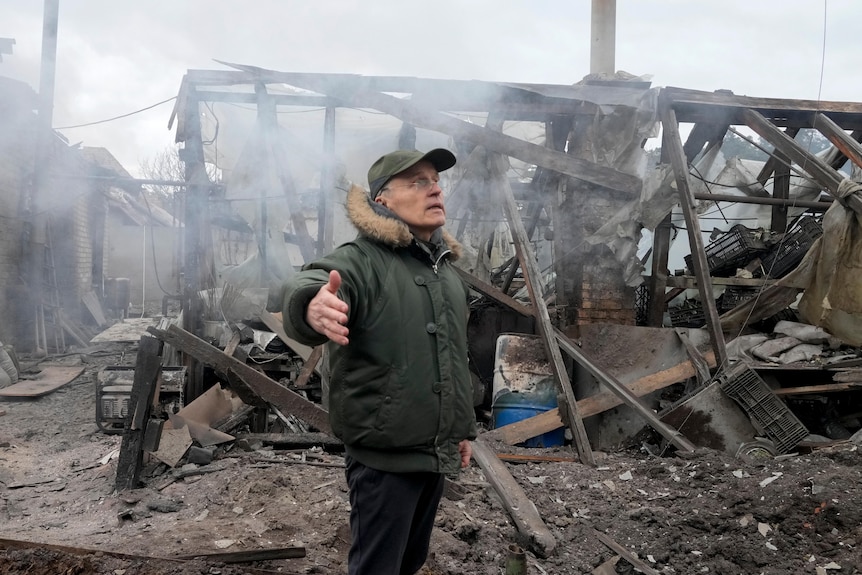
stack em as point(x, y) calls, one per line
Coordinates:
point(815, 389)
point(520, 431)
point(822, 172)
point(252, 555)
point(839, 138)
point(249, 383)
point(147, 369)
point(277, 155)
point(459, 129)
point(533, 279)
point(522, 510)
point(775, 160)
point(673, 142)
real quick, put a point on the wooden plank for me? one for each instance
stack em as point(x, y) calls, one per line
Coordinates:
point(839, 138)
point(525, 429)
point(50, 379)
point(532, 275)
point(250, 384)
point(154, 564)
point(292, 552)
point(822, 172)
point(774, 160)
point(813, 389)
point(274, 323)
point(625, 553)
point(522, 510)
point(91, 302)
point(696, 106)
point(309, 367)
point(524, 458)
point(671, 140)
point(147, 369)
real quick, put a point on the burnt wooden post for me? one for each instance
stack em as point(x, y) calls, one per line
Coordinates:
point(197, 261)
point(147, 368)
point(698, 252)
point(268, 119)
point(823, 173)
point(533, 278)
point(779, 165)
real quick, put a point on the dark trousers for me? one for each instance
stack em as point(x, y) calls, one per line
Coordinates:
point(391, 517)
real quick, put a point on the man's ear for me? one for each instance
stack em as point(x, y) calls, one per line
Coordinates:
point(380, 200)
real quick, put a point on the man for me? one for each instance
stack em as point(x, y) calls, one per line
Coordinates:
point(394, 312)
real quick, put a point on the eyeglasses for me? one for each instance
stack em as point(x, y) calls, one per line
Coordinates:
point(420, 185)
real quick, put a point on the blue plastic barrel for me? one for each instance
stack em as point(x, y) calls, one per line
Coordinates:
point(523, 386)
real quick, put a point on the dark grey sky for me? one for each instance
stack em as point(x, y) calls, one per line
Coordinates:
point(115, 57)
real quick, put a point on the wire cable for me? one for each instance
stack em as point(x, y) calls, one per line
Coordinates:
point(117, 117)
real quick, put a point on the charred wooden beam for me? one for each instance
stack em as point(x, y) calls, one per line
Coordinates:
point(672, 141)
point(147, 369)
point(839, 138)
point(696, 106)
point(822, 172)
point(532, 278)
point(459, 129)
point(250, 384)
point(252, 555)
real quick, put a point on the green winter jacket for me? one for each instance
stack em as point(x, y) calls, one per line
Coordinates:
point(400, 393)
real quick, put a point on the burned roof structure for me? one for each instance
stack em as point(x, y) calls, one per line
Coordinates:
point(552, 194)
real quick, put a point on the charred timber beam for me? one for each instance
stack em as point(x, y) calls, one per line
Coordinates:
point(822, 206)
point(532, 277)
point(498, 142)
point(257, 384)
point(147, 369)
point(292, 552)
point(421, 117)
point(822, 172)
point(696, 106)
point(673, 143)
point(839, 138)
point(440, 101)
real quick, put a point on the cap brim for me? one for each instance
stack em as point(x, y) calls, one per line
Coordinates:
point(441, 158)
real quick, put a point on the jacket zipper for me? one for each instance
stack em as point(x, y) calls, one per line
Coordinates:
point(435, 263)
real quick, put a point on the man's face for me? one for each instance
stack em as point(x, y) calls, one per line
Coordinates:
point(416, 202)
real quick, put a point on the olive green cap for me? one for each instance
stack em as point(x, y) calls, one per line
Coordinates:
point(393, 163)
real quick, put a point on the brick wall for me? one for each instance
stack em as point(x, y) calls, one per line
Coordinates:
point(589, 277)
point(70, 206)
point(16, 164)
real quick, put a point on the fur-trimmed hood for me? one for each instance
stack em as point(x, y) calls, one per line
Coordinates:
point(382, 224)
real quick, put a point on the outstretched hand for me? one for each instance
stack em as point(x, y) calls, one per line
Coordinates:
point(326, 313)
